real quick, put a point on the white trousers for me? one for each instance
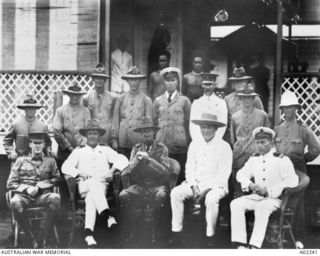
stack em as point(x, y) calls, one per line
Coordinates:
point(262, 210)
point(180, 193)
point(95, 199)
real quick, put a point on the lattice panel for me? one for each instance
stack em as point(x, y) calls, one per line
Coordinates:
point(307, 89)
point(15, 86)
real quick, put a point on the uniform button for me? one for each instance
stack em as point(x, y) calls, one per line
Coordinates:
point(263, 169)
point(263, 179)
point(263, 161)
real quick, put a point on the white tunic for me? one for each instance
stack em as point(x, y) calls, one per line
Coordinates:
point(270, 171)
point(208, 104)
point(209, 164)
point(94, 161)
point(120, 64)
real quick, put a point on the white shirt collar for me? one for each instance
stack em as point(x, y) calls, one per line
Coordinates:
point(212, 141)
point(173, 94)
point(270, 153)
point(93, 149)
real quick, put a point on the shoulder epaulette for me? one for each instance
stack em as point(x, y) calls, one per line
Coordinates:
point(279, 123)
point(81, 146)
point(160, 144)
point(138, 145)
point(256, 154)
point(102, 144)
point(299, 122)
point(278, 154)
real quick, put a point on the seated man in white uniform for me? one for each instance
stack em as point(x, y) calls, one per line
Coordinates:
point(208, 168)
point(272, 172)
point(90, 165)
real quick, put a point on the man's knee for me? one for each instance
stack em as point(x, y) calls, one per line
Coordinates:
point(236, 205)
point(212, 200)
point(264, 210)
point(124, 197)
point(16, 204)
point(161, 197)
point(176, 194)
point(54, 201)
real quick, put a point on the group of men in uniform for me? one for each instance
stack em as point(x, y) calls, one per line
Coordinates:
point(138, 135)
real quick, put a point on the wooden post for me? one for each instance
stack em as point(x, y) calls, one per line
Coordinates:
point(277, 88)
point(104, 36)
point(104, 33)
point(289, 56)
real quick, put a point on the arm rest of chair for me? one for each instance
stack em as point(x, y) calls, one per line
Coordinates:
point(174, 172)
point(116, 180)
point(290, 196)
point(71, 183)
point(125, 178)
point(9, 195)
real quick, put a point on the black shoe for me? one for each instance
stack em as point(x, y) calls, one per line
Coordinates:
point(211, 242)
point(48, 245)
point(35, 244)
point(177, 241)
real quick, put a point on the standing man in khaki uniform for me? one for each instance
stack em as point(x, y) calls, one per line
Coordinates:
point(101, 103)
point(129, 108)
point(292, 138)
point(19, 131)
point(67, 121)
point(171, 115)
point(243, 123)
point(238, 81)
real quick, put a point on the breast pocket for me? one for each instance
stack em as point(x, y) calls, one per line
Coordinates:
point(297, 144)
point(178, 114)
point(45, 174)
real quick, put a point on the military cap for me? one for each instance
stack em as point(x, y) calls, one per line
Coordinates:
point(30, 102)
point(100, 71)
point(263, 133)
point(133, 73)
point(74, 89)
point(92, 125)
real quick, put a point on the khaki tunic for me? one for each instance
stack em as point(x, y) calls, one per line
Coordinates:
point(19, 134)
point(156, 171)
point(129, 109)
point(25, 172)
point(234, 103)
point(101, 108)
point(292, 139)
point(242, 125)
point(66, 124)
point(173, 121)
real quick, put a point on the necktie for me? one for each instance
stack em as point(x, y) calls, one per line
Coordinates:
point(169, 98)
